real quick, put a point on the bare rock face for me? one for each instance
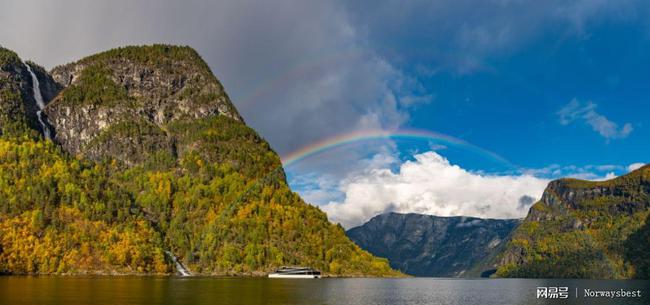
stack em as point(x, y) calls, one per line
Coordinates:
point(130, 96)
point(565, 195)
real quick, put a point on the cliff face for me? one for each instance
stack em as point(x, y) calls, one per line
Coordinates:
point(150, 164)
point(126, 98)
point(17, 104)
point(583, 229)
point(424, 245)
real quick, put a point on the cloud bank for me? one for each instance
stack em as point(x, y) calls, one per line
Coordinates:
point(430, 184)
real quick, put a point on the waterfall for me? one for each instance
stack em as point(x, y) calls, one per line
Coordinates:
point(39, 102)
point(179, 267)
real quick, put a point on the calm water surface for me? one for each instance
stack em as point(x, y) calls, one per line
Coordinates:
point(246, 291)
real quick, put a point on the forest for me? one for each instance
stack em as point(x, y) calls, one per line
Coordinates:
point(203, 186)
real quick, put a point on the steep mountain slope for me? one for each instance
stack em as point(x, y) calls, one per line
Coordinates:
point(150, 162)
point(425, 245)
point(120, 104)
point(17, 104)
point(583, 229)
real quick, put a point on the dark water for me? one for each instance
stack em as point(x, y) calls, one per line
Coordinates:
point(169, 290)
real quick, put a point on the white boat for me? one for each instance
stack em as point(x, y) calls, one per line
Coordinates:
point(295, 273)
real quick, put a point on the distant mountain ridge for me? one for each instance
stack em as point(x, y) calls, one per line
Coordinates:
point(425, 245)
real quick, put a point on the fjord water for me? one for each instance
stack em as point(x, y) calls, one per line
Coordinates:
point(73, 290)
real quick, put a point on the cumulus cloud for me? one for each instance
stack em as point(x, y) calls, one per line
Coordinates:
point(586, 113)
point(430, 184)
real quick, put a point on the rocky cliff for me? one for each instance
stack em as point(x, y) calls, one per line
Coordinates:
point(425, 245)
point(150, 166)
point(17, 105)
point(120, 104)
point(584, 229)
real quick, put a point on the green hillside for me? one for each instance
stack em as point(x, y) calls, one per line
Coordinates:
point(585, 229)
point(133, 173)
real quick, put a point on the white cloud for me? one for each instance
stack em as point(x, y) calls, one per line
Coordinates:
point(634, 166)
point(587, 172)
point(586, 112)
point(580, 13)
point(608, 167)
point(431, 185)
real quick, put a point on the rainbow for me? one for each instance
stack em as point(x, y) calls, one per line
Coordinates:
point(375, 134)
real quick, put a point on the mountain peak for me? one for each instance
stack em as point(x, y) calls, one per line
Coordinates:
point(162, 72)
point(135, 93)
point(7, 57)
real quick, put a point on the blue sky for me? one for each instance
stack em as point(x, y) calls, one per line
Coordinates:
point(558, 88)
point(511, 106)
point(500, 74)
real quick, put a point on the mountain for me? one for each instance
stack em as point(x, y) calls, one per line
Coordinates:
point(584, 229)
point(134, 159)
point(140, 103)
point(425, 245)
point(18, 108)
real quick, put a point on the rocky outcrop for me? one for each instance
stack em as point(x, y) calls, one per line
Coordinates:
point(572, 194)
point(425, 245)
point(128, 89)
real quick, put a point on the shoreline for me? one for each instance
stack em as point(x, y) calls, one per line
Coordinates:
point(202, 275)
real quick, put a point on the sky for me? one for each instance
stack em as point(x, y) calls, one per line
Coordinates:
point(477, 104)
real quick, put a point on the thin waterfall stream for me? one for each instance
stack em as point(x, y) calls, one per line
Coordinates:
point(179, 267)
point(48, 134)
point(39, 102)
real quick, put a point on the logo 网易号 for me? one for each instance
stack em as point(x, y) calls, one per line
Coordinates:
point(552, 292)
